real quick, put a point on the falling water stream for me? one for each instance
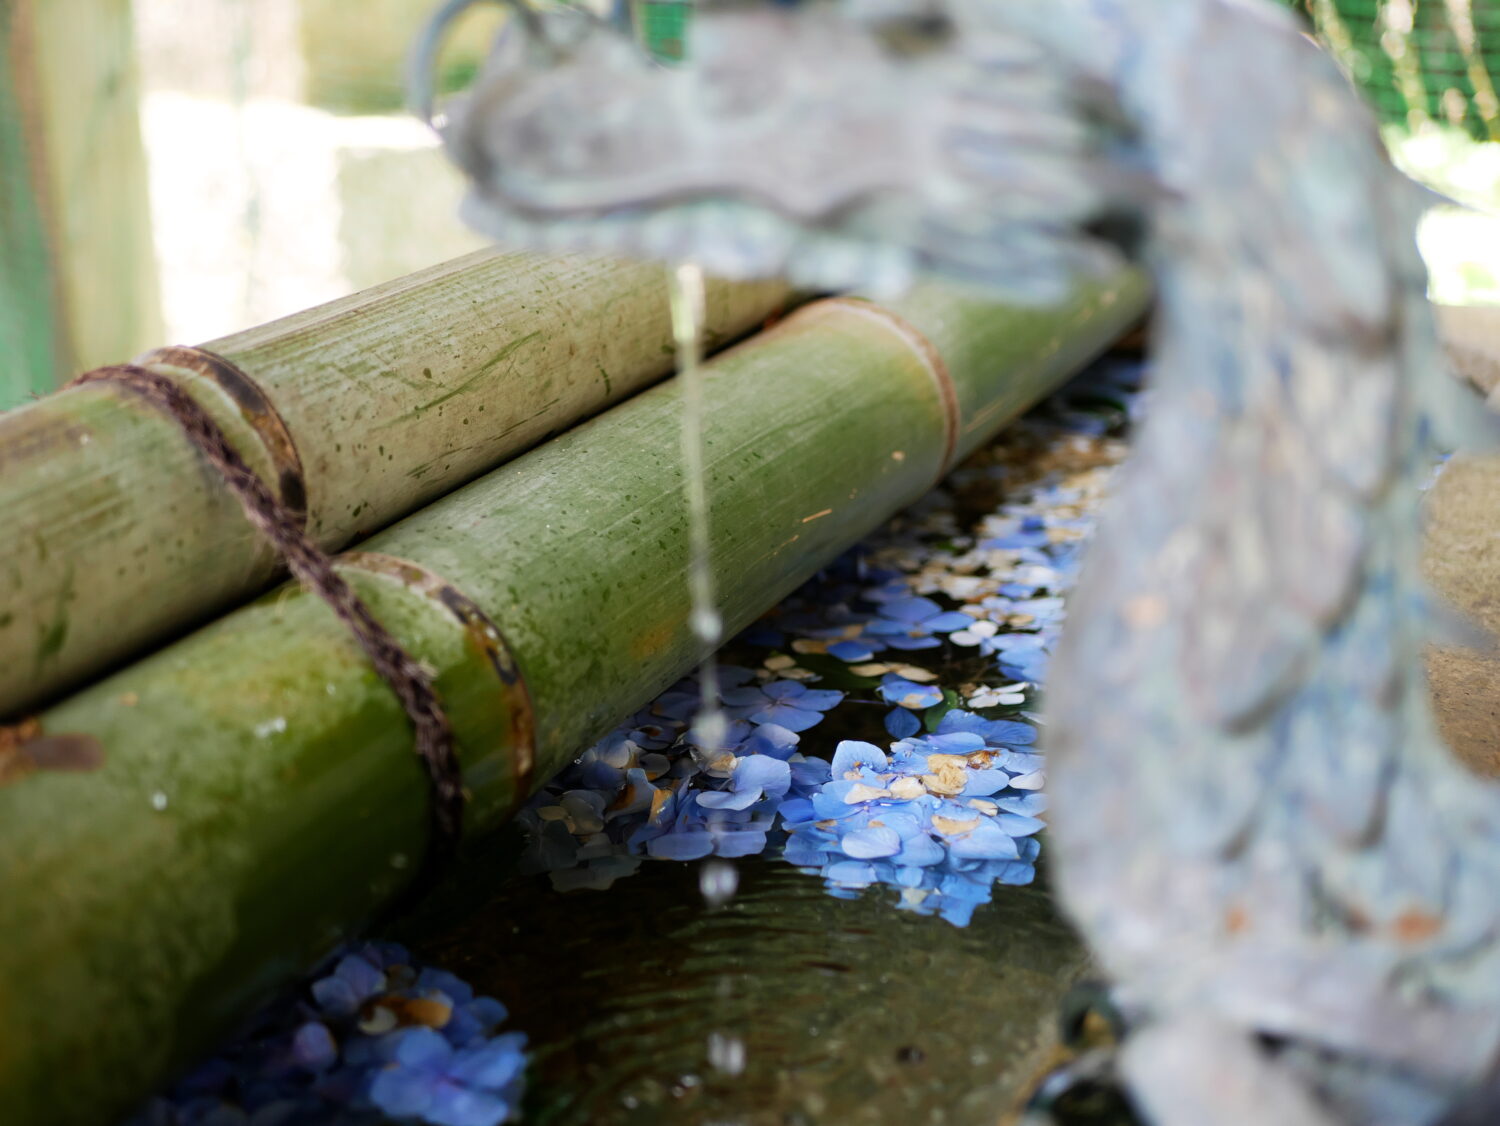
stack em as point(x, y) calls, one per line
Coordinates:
point(718, 878)
point(688, 316)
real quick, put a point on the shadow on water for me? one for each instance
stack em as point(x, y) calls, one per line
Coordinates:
point(849, 1012)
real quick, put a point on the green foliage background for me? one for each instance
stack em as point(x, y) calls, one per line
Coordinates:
point(1418, 60)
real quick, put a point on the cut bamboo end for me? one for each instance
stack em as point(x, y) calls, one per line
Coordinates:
point(368, 407)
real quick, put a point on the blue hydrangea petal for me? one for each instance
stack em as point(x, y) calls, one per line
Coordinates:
point(820, 699)
point(729, 799)
point(810, 772)
point(804, 853)
point(852, 754)
point(1029, 804)
point(871, 843)
point(985, 841)
point(313, 1046)
point(739, 842)
point(458, 991)
point(691, 845)
point(797, 810)
point(900, 723)
point(1033, 781)
point(910, 610)
point(909, 644)
point(908, 694)
point(402, 1092)
point(787, 690)
point(851, 651)
point(1007, 732)
point(1018, 825)
point(772, 739)
point(744, 697)
point(762, 772)
point(1015, 873)
point(907, 759)
point(948, 622)
point(788, 716)
point(491, 1065)
point(982, 783)
point(850, 873)
point(829, 804)
point(419, 1046)
point(453, 1105)
point(921, 852)
point(958, 912)
point(353, 981)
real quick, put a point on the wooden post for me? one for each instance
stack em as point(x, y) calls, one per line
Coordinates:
point(78, 275)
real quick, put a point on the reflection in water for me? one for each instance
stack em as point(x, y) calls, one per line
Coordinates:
point(847, 1012)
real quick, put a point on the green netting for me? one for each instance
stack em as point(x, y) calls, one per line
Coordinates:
point(1419, 60)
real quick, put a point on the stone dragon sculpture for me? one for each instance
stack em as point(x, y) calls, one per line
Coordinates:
point(1289, 878)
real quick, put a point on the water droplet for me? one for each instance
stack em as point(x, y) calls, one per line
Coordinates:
point(718, 880)
point(159, 801)
point(710, 730)
point(398, 860)
point(708, 626)
point(629, 1102)
point(270, 727)
point(726, 1054)
point(689, 1080)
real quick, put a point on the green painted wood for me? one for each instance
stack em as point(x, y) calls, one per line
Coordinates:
point(121, 536)
point(88, 96)
point(77, 264)
point(28, 307)
point(255, 795)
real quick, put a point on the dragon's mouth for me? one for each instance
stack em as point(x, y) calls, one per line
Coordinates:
point(806, 142)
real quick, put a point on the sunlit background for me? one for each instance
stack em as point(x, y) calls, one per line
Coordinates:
point(183, 169)
point(285, 172)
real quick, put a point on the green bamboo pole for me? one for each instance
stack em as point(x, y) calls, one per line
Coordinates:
point(196, 828)
point(118, 536)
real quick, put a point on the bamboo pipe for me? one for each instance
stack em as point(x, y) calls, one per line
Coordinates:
point(218, 814)
point(118, 536)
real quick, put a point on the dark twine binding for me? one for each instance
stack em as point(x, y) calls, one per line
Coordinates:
point(313, 568)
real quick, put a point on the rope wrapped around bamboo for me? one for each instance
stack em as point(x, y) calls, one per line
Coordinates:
point(200, 826)
point(118, 536)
